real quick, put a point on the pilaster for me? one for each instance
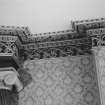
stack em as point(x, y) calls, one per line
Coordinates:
point(98, 48)
point(11, 39)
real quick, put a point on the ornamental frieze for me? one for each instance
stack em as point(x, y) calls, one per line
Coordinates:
point(60, 51)
point(43, 50)
point(56, 36)
point(84, 35)
point(7, 38)
point(75, 42)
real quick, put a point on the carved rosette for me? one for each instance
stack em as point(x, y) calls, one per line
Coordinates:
point(56, 49)
point(97, 36)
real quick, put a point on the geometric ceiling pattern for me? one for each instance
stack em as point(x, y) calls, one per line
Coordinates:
point(61, 81)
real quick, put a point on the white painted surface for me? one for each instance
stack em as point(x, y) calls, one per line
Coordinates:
point(48, 15)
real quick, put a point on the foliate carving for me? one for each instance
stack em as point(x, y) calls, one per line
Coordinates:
point(8, 49)
point(56, 49)
point(55, 44)
point(98, 36)
point(94, 32)
point(9, 55)
point(11, 39)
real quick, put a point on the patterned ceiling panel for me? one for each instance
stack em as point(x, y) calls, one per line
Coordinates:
point(61, 81)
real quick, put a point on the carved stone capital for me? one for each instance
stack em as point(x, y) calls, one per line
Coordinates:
point(97, 36)
point(11, 39)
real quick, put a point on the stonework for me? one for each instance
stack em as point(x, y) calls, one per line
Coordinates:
point(66, 67)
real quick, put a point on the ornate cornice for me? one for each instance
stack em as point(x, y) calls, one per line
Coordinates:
point(56, 49)
point(56, 36)
point(11, 39)
point(23, 33)
point(78, 41)
point(56, 44)
point(83, 25)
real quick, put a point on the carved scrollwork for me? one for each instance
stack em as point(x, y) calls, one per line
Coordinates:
point(78, 41)
point(8, 49)
point(62, 51)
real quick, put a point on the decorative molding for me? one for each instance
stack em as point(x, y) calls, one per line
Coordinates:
point(22, 32)
point(97, 36)
point(79, 43)
point(7, 38)
point(74, 42)
point(11, 39)
point(54, 33)
point(57, 36)
point(9, 51)
point(54, 36)
point(61, 51)
point(83, 25)
point(94, 32)
point(8, 48)
point(56, 49)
